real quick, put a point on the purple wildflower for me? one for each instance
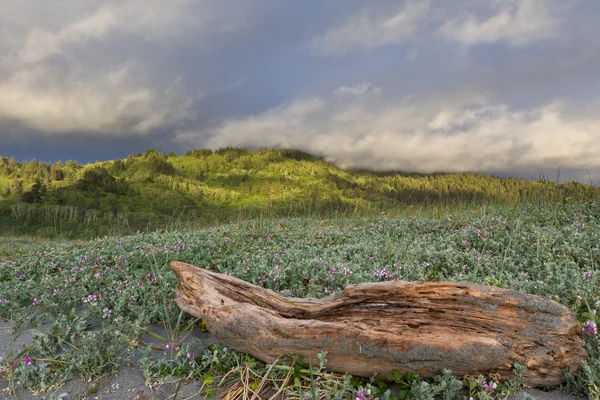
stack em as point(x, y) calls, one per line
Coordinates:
point(171, 345)
point(363, 394)
point(191, 358)
point(589, 329)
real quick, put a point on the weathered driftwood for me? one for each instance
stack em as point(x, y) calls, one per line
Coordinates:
point(423, 327)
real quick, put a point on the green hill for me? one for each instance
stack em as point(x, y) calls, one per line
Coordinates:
point(154, 190)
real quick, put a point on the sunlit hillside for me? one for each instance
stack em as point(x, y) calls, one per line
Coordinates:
point(155, 190)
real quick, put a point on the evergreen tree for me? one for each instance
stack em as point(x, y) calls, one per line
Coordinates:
point(35, 194)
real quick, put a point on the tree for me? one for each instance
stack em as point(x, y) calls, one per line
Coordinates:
point(16, 187)
point(56, 173)
point(35, 194)
point(118, 166)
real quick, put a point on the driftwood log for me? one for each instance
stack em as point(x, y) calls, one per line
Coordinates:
point(408, 326)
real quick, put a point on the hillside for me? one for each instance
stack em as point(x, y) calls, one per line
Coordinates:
point(154, 190)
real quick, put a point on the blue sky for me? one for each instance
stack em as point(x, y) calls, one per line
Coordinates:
point(504, 86)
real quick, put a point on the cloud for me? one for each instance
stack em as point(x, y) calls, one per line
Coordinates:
point(358, 89)
point(462, 132)
point(112, 102)
point(516, 22)
point(438, 96)
point(366, 30)
point(96, 68)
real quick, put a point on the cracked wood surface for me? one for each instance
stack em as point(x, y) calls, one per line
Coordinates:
point(409, 326)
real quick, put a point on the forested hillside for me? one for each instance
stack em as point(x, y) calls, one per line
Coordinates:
point(155, 190)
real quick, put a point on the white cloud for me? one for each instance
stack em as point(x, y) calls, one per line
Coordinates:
point(151, 20)
point(358, 89)
point(516, 22)
point(113, 102)
point(365, 30)
point(460, 133)
point(63, 68)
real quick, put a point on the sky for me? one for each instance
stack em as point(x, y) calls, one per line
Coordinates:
point(510, 87)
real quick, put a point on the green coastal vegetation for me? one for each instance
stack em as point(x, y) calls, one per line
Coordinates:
point(84, 251)
point(154, 190)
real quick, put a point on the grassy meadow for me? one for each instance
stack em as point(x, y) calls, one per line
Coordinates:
point(98, 279)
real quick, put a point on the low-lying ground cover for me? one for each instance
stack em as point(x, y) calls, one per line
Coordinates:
point(93, 301)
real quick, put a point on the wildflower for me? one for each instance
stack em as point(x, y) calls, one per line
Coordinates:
point(587, 275)
point(589, 329)
point(171, 345)
point(21, 276)
point(191, 358)
point(27, 360)
point(490, 385)
point(277, 268)
point(106, 312)
point(363, 394)
point(36, 301)
point(382, 273)
point(92, 298)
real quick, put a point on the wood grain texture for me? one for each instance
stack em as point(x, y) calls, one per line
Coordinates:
point(409, 326)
